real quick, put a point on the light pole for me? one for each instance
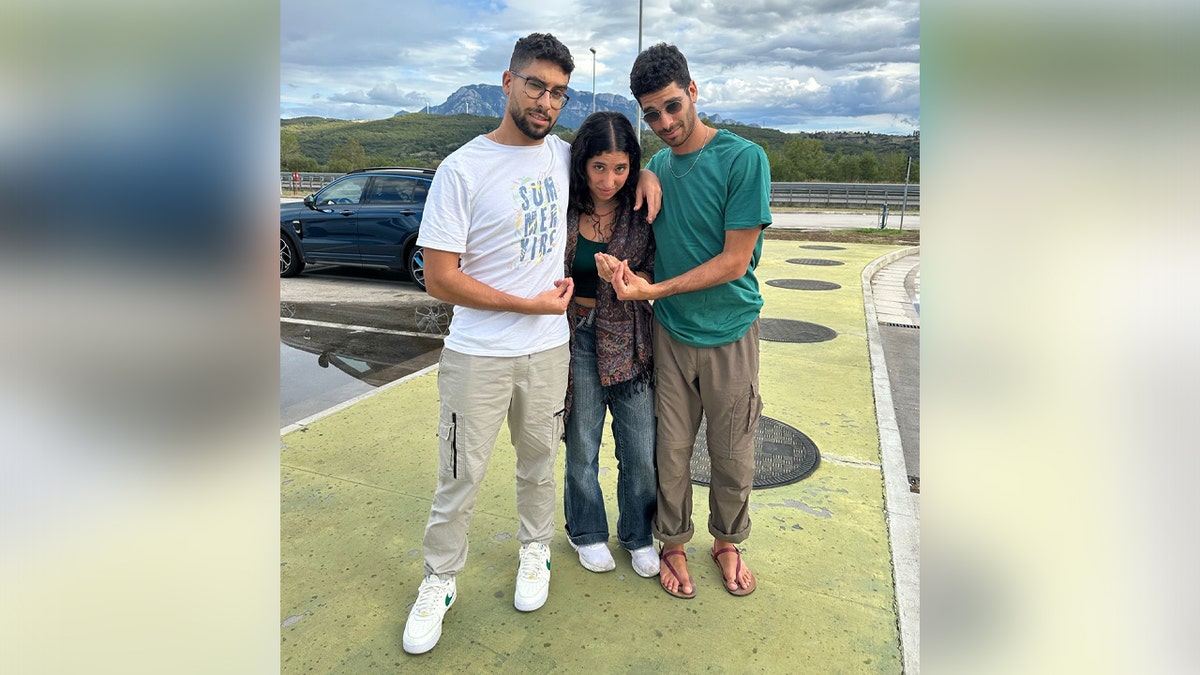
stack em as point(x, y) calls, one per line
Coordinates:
point(636, 109)
point(593, 50)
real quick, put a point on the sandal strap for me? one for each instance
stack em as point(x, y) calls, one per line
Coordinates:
point(737, 574)
point(668, 554)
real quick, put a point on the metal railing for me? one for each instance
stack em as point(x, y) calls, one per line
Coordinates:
point(846, 195)
point(307, 182)
point(841, 195)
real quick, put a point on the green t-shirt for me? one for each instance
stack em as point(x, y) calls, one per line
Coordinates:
point(728, 188)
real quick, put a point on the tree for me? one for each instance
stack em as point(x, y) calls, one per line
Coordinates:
point(868, 168)
point(347, 157)
point(806, 158)
point(842, 168)
point(892, 167)
point(289, 152)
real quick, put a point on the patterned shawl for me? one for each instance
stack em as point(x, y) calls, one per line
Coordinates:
point(624, 329)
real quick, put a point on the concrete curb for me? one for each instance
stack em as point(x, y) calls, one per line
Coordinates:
point(346, 404)
point(903, 522)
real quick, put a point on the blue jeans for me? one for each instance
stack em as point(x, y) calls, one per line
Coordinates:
point(633, 430)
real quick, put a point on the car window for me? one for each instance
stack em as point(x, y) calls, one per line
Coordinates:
point(345, 191)
point(394, 189)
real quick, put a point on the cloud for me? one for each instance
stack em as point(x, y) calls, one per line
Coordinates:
point(761, 59)
point(388, 94)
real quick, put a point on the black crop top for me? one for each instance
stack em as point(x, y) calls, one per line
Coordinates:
point(583, 268)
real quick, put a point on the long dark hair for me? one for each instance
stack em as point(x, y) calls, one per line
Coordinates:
point(603, 132)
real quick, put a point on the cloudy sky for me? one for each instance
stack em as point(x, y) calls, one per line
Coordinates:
point(794, 65)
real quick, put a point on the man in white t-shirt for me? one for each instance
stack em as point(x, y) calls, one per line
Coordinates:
point(494, 231)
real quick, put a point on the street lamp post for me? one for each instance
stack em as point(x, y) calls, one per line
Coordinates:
point(636, 111)
point(593, 50)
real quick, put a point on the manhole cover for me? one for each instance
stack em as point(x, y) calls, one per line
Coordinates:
point(782, 455)
point(814, 261)
point(823, 247)
point(788, 330)
point(804, 284)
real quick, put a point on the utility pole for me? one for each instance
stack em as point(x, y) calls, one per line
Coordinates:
point(593, 50)
point(636, 108)
point(904, 204)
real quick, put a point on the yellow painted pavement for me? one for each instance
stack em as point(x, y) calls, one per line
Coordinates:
point(356, 488)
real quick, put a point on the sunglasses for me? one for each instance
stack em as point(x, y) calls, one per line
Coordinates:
point(672, 107)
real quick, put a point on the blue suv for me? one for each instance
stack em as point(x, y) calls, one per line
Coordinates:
point(367, 218)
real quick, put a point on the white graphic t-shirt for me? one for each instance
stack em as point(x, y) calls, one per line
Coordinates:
point(504, 209)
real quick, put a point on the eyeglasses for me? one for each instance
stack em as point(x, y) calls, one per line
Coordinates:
point(535, 88)
point(673, 106)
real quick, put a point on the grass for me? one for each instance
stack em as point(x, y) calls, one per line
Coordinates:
point(860, 236)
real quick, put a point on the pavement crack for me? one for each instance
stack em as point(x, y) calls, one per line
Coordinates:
point(344, 480)
point(845, 461)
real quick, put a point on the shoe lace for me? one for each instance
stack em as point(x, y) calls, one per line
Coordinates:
point(431, 596)
point(533, 561)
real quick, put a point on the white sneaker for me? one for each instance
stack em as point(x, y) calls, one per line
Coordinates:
point(533, 577)
point(645, 561)
point(595, 557)
point(424, 625)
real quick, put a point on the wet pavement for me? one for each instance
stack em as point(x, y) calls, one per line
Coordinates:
point(344, 332)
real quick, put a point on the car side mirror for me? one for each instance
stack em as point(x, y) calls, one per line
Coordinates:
point(308, 201)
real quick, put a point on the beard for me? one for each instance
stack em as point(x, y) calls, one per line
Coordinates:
point(519, 118)
point(687, 122)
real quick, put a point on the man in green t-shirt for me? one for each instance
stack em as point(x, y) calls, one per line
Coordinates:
point(716, 201)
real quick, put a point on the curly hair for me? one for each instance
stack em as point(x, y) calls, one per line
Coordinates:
point(541, 46)
point(658, 67)
point(602, 132)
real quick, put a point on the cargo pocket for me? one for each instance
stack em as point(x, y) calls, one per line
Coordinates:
point(448, 446)
point(743, 420)
point(755, 408)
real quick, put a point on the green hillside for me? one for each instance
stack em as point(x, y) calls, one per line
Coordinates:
point(419, 139)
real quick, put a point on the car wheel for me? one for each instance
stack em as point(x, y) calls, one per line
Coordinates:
point(290, 260)
point(416, 266)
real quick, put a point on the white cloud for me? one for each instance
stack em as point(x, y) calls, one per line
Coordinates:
point(775, 62)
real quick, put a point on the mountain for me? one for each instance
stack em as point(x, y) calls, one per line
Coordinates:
point(417, 139)
point(488, 100)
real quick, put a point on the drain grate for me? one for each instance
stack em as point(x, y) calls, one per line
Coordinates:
point(804, 284)
point(788, 330)
point(782, 455)
point(823, 247)
point(814, 261)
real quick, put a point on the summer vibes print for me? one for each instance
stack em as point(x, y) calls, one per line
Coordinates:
point(539, 224)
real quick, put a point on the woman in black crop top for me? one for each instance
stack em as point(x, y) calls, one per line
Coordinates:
point(612, 367)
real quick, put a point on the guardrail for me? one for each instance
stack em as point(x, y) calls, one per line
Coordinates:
point(307, 182)
point(844, 195)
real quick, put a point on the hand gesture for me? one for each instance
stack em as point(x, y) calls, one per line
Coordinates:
point(553, 300)
point(628, 285)
point(605, 266)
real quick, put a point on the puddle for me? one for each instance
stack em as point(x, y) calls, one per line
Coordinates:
point(320, 367)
